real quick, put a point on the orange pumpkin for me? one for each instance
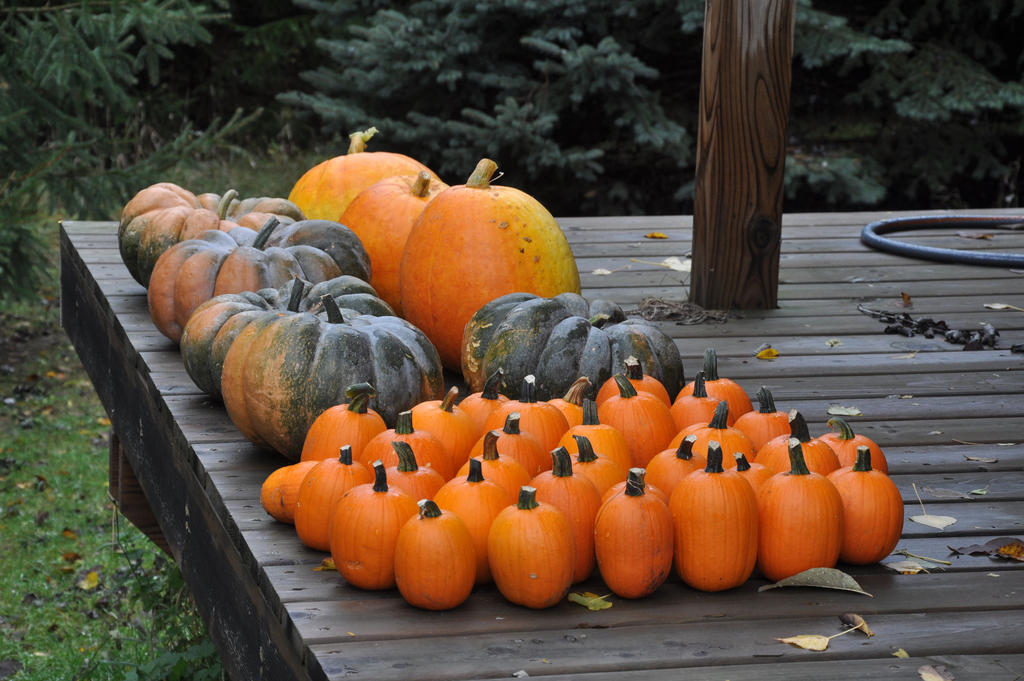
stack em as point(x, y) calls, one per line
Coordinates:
point(477, 501)
point(845, 443)
point(818, 456)
point(321, 489)
point(325, 190)
point(633, 540)
point(620, 487)
point(872, 511)
point(430, 451)
point(543, 420)
point(642, 418)
point(732, 440)
point(364, 531)
point(517, 444)
point(479, 405)
point(669, 466)
point(449, 423)
point(754, 473)
point(474, 243)
point(505, 470)
point(602, 471)
point(608, 441)
point(571, 404)
point(435, 561)
point(532, 553)
point(721, 388)
point(764, 424)
point(696, 407)
point(419, 482)
point(280, 491)
point(576, 497)
point(715, 513)
point(641, 381)
point(352, 424)
point(800, 520)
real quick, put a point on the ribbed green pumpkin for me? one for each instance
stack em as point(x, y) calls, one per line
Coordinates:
point(215, 324)
point(281, 372)
point(560, 339)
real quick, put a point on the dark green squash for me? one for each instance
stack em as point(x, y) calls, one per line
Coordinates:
point(560, 339)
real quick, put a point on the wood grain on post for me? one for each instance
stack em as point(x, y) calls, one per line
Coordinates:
point(744, 103)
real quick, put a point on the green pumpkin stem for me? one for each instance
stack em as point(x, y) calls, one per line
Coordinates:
point(403, 424)
point(476, 471)
point(265, 231)
point(298, 290)
point(714, 464)
point(449, 399)
point(345, 455)
point(359, 396)
point(626, 389)
point(512, 424)
point(635, 485)
point(798, 427)
point(700, 389)
point(490, 452)
point(428, 509)
point(561, 463)
point(685, 449)
point(590, 412)
point(406, 457)
point(527, 498)
point(482, 174)
point(766, 401)
point(421, 187)
point(380, 477)
point(844, 429)
point(634, 370)
point(357, 140)
point(741, 462)
point(529, 390)
point(797, 465)
point(720, 420)
point(334, 315)
point(710, 365)
point(574, 395)
point(491, 385)
point(863, 462)
point(224, 205)
point(586, 449)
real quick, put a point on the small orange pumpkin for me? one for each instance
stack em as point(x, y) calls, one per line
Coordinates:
point(845, 443)
point(732, 440)
point(643, 419)
point(430, 451)
point(754, 473)
point(817, 455)
point(353, 424)
point(435, 560)
point(280, 491)
point(321, 489)
point(872, 511)
point(721, 388)
point(543, 420)
point(501, 468)
point(602, 471)
point(419, 482)
point(479, 405)
point(449, 423)
point(608, 441)
point(696, 407)
point(641, 381)
point(764, 424)
point(670, 466)
point(571, 404)
point(517, 444)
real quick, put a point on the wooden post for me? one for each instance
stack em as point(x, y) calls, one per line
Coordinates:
point(744, 103)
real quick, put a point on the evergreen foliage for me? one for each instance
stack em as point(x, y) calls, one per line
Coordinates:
point(591, 105)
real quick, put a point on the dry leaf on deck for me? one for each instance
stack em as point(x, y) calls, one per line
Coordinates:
point(981, 491)
point(974, 235)
point(807, 641)
point(840, 410)
point(857, 622)
point(906, 567)
point(655, 235)
point(1014, 550)
point(980, 459)
point(601, 270)
point(833, 342)
point(929, 673)
point(590, 600)
point(767, 353)
point(674, 263)
point(325, 565)
point(822, 578)
point(1003, 306)
point(900, 653)
point(939, 522)
point(907, 302)
point(945, 493)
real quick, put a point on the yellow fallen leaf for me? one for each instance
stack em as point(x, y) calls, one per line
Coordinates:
point(833, 342)
point(325, 565)
point(590, 600)
point(655, 235)
point(929, 673)
point(90, 581)
point(767, 353)
point(901, 653)
point(1013, 550)
point(1003, 306)
point(939, 522)
point(840, 410)
point(857, 622)
point(807, 641)
point(906, 567)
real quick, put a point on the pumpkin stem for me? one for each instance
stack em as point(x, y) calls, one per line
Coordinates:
point(512, 423)
point(490, 391)
point(635, 485)
point(527, 498)
point(345, 455)
point(626, 389)
point(561, 464)
point(797, 465)
point(449, 399)
point(720, 420)
point(380, 477)
point(491, 445)
point(863, 462)
point(359, 395)
point(225, 203)
point(710, 365)
point(428, 509)
point(714, 464)
point(590, 412)
point(298, 290)
point(529, 390)
point(574, 395)
point(685, 449)
point(476, 471)
point(264, 234)
point(357, 140)
point(334, 315)
point(406, 457)
point(403, 424)
point(798, 427)
point(421, 187)
point(741, 462)
point(586, 450)
point(840, 425)
point(482, 174)
point(633, 369)
point(700, 389)
point(766, 401)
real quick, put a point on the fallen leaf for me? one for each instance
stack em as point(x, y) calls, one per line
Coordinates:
point(980, 459)
point(901, 653)
point(822, 578)
point(1003, 306)
point(989, 548)
point(655, 235)
point(1014, 550)
point(906, 397)
point(945, 493)
point(839, 410)
point(671, 262)
point(857, 622)
point(833, 342)
point(590, 600)
point(601, 270)
point(767, 353)
point(982, 491)
point(90, 581)
point(974, 235)
point(908, 554)
point(939, 522)
point(929, 673)
point(325, 565)
point(906, 567)
point(909, 355)
point(935, 432)
point(907, 302)
point(807, 641)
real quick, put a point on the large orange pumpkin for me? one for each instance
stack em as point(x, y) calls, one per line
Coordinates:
point(325, 190)
point(474, 243)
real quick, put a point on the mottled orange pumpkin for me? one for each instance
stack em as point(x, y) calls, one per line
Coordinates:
point(435, 561)
point(872, 511)
point(474, 243)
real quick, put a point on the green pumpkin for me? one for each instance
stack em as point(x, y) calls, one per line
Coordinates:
point(560, 339)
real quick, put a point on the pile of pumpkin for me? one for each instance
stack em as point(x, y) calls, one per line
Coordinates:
point(534, 495)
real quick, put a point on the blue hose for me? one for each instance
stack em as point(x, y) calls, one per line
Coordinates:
point(871, 236)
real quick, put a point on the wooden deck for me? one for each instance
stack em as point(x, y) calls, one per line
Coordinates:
point(951, 422)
